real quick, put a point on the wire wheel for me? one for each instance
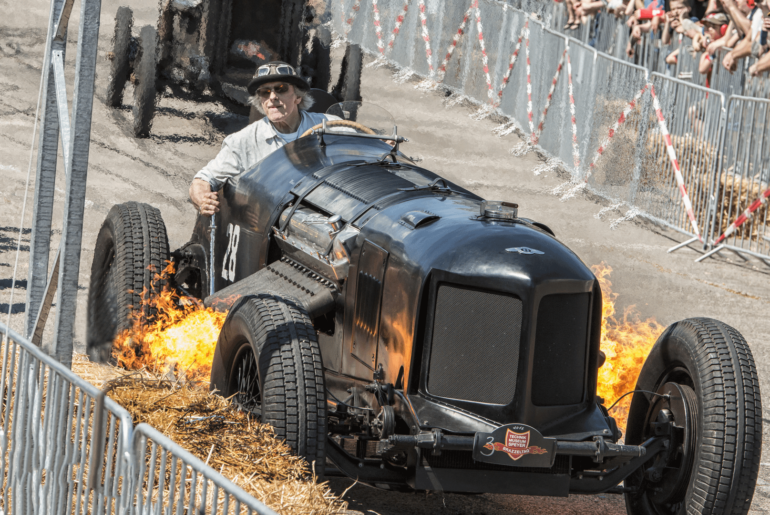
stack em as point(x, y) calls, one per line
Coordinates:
point(246, 382)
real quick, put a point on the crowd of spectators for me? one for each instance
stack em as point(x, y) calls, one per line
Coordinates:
point(738, 25)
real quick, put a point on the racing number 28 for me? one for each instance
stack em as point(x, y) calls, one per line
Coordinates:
point(228, 263)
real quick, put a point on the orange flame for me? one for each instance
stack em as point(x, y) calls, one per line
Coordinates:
point(180, 338)
point(626, 342)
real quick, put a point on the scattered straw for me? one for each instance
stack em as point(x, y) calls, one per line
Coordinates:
point(217, 432)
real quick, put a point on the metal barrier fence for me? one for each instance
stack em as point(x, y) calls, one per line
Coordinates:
point(596, 117)
point(66, 448)
point(742, 180)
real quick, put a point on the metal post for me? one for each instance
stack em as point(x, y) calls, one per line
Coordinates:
point(45, 177)
point(74, 204)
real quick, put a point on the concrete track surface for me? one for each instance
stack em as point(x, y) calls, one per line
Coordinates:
point(186, 134)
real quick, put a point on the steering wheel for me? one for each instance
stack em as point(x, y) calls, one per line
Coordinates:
point(340, 123)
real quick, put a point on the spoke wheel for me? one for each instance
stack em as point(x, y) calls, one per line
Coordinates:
point(245, 379)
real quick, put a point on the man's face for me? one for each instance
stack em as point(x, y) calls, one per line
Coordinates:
point(278, 100)
point(743, 5)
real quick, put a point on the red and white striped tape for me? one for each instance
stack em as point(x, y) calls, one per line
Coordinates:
point(529, 88)
point(453, 44)
point(378, 27)
point(748, 214)
point(397, 26)
point(620, 121)
point(349, 21)
point(484, 57)
point(512, 62)
point(426, 36)
point(674, 163)
point(536, 134)
point(575, 148)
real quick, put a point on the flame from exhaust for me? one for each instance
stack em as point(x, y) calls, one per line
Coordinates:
point(626, 341)
point(180, 338)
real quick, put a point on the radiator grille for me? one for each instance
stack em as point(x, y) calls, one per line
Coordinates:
point(464, 460)
point(561, 343)
point(475, 345)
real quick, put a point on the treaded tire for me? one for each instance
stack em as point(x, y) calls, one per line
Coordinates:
point(716, 361)
point(120, 67)
point(132, 246)
point(291, 379)
point(145, 70)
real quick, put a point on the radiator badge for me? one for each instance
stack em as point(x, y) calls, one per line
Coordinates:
point(517, 445)
point(524, 250)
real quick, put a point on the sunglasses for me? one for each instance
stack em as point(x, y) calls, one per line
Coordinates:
point(281, 69)
point(280, 89)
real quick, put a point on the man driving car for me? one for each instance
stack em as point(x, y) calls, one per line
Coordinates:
point(279, 93)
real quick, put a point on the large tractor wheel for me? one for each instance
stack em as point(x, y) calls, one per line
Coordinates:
point(145, 74)
point(267, 356)
point(709, 405)
point(132, 247)
point(120, 67)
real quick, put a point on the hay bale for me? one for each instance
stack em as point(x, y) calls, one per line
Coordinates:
point(734, 195)
point(231, 441)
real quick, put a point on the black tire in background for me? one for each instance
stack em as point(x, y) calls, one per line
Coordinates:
point(145, 71)
point(286, 388)
point(132, 246)
point(715, 370)
point(348, 86)
point(120, 67)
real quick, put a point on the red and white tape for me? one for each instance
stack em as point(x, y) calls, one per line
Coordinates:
point(529, 88)
point(455, 39)
point(536, 134)
point(378, 27)
point(674, 163)
point(748, 214)
point(512, 62)
point(620, 121)
point(575, 148)
point(426, 36)
point(349, 21)
point(484, 57)
point(397, 26)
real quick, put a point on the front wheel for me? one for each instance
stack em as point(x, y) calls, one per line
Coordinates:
point(707, 405)
point(145, 74)
point(131, 250)
point(267, 356)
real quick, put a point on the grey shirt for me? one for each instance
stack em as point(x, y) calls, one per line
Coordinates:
point(244, 149)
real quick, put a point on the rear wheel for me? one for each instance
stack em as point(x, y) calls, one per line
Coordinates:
point(131, 248)
point(713, 414)
point(271, 362)
point(120, 67)
point(145, 73)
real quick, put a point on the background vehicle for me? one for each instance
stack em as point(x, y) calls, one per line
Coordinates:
point(423, 338)
point(220, 44)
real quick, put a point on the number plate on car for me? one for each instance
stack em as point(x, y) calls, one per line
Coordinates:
point(517, 445)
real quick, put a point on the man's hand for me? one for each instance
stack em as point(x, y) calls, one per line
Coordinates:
point(729, 62)
point(753, 71)
point(203, 198)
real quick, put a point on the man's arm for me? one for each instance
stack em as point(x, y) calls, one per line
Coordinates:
point(736, 15)
point(742, 50)
point(704, 66)
point(223, 167)
point(761, 66)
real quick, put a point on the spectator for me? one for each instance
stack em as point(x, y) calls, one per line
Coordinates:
point(747, 19)
point(715, 28)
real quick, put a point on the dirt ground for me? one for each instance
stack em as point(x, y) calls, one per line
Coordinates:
point(187, 133)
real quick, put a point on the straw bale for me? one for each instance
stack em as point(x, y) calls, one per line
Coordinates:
point(735, 194)
point(231, 441)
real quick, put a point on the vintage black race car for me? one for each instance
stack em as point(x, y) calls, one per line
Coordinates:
point(420, 337)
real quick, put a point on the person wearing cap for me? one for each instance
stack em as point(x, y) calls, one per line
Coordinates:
point(712, 25)
point(279, 93)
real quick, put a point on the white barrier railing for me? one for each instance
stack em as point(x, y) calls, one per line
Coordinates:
point(66, 448)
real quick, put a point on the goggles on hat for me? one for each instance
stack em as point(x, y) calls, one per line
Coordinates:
point(275, 69)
